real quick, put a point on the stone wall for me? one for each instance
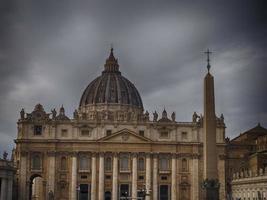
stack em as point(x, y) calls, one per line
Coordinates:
point(250, 185)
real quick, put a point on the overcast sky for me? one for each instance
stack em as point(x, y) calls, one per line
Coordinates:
point(51, 50)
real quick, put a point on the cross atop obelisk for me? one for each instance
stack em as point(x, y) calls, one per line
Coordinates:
point(208, 52)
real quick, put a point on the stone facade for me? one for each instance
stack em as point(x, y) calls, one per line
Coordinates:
point(110, 150)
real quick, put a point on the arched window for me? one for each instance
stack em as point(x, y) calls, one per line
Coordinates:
point(163, 163)
point(184, 165)
point(84, 163)
point(108, 164)
point(36, 162)
point(141, 164)
point(63, 163)
point(124, 163)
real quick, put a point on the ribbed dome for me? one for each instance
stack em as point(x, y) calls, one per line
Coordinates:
point(111, 88)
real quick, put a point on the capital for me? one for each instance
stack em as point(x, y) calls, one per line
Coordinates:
point(51, 153)
point(24, 153)
point(73, 154)
point(134, 154)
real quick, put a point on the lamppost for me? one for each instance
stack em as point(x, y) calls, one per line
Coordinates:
point(144, 193)
point(125, 196)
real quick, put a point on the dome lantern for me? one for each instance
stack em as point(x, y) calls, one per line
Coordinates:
point(111, 63)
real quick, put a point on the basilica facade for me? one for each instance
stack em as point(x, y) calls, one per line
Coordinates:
point(111, 148)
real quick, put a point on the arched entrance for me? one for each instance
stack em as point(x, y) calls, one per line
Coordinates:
point(36, 187)
point(107, 195)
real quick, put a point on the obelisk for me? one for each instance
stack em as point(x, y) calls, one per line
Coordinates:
point(210, 182)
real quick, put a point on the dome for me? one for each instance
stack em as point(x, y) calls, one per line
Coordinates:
point(111, 88)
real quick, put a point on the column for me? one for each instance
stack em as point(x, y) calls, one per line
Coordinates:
point(195, 177)
point(3, 189)
point(221, 175)
point(93, 174)
point(73, 194)
point(10, 187)
point(134, 176)
point(43, 189)
point(174, 179)
point(23, 183)
point(148, 175)
point(51, 172)
point(115, 177)
point(101, 183)
point(155, 176)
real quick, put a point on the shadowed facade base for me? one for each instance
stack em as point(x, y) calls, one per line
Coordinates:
point(211, 189)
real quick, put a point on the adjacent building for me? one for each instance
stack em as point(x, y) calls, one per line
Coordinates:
point(247, 165)
point(7, 175)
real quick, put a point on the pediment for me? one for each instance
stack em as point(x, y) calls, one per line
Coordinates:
point(125, 136)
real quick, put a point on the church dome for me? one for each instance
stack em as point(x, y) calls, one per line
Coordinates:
point(111, 88)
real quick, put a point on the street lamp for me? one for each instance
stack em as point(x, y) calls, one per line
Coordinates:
point(144, 192)
point(125, 196)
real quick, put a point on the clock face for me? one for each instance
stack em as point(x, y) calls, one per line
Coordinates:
point(38, 115)
point(38, 130)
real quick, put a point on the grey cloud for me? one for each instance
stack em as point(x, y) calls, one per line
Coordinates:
point(50, 51)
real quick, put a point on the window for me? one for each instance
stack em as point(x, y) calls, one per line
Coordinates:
point(184, 135)
point(85, 133)
point(108, 164)
point(184, 165)
point(63, 163)
point(124, 190)
point(141, 177)
point(142, 133)
point(84, 177)
point(108, 132)
point(64, 133)
point(164, 178)
point(36, 162)
point(124, 163)
point(164, 134)
point(83, 163)
point(163, 164)
point(38, 129)
point(141, 164)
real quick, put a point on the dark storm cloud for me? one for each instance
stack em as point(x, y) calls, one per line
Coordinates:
point(50, 51)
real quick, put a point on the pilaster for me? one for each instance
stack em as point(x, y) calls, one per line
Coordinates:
point(93, 183)
point(155, 176)
point(115, 177)
point(134, 176)
point(148, 175)
point(174, 179)
point(101, 185)
point(51, 171)
point(73, 192)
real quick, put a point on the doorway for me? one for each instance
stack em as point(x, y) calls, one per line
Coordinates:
point(84, 192)
point(36, 190)
point(124, 190)
point(107, 195)
point(164, 192)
